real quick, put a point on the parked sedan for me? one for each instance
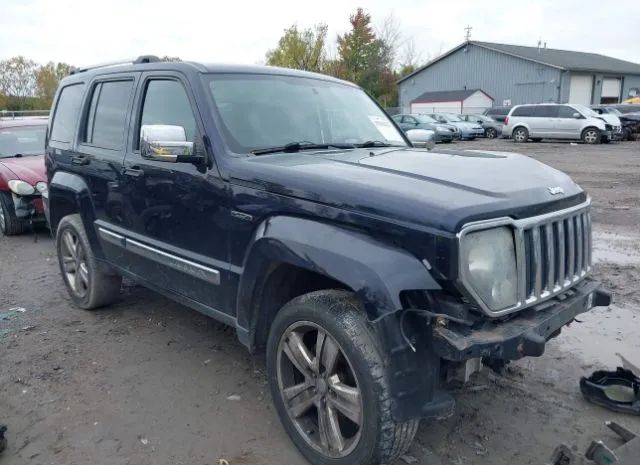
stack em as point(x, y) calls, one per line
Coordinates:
point(468, 131)
point(444, 132)
point(22, 173)
point(498, 113)
point(492, 128)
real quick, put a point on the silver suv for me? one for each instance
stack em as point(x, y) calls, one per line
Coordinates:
point(555, 121)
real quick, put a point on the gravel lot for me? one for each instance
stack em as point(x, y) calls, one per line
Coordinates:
point(148, 381)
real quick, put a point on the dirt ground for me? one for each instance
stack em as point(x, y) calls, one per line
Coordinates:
point(148, 381)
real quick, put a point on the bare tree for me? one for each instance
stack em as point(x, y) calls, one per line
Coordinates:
point(18, 78)
point(389, 31)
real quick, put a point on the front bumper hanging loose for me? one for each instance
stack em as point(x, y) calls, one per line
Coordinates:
point(525, 334)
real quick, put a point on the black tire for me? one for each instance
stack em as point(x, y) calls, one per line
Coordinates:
point(626, 134)
point(10, 224)
point(520, 135)
point(89, 285)
point(591, 136)
point(490, 133)
point(605, 140)
point(447, 141)
point(339, 314)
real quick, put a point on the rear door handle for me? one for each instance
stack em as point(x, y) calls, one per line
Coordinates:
point(134, 172)
point(79, 160)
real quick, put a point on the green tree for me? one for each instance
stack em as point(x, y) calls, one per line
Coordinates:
point(18, 80)
point(300, 49)
point(47, 79)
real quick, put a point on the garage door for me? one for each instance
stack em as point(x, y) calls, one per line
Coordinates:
point(610, 90)
point(580, 89)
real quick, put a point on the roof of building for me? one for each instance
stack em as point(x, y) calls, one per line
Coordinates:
point(447, 96)
point(561, 59)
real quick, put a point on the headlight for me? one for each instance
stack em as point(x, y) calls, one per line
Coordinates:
point(21, 187)
point(42, 187)
point(441, 129)
point(489, 266)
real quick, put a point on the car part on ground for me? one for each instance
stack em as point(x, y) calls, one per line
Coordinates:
point(3, 440)
point(616, 390)
point(599, 454)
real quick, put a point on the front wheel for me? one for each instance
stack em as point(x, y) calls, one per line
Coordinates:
point(520, 135)
point(591, 136)
point(10, 224)
point(88, 284)
point(491, 133)
point(328, 383)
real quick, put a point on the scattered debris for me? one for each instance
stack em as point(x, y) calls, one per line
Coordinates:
point(408, 459)
point(616, 390)
point(223, 462)
point(234, 397)
point(207, 362)
point(18, 309)
point(27, 328)
point(144, 441)
point(628, 364)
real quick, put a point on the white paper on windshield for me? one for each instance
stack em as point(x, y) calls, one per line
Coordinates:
point(384, 127)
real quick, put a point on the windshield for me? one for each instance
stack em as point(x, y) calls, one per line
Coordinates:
point(586, 111)
point(425, 119)
point(450, 118)
point(263, 111)
point(24, 140)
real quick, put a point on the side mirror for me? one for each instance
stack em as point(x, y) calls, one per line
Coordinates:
point(422, 138)
point(577, 115)
point(161, 142)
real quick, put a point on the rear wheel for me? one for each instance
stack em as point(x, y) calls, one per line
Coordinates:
point(591, 136)
point(520, 135)
point(10, 224)
point(491, 133)
point(88, 284)
point(328, 383)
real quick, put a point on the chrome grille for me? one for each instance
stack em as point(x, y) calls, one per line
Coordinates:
point(557, 254)
point(553, 253)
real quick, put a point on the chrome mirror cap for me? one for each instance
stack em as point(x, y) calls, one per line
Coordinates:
point(166, 143)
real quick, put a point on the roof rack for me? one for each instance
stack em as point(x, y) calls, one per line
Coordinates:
point(136, 61)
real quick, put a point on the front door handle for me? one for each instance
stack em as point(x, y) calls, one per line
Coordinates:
point(80, 160)
point(134, 172)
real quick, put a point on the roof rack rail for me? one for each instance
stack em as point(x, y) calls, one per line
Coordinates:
point(141, 59)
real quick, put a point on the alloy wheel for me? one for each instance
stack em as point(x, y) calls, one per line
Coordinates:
point(74, 263)
point(590, 137)
point(519, 135)
point(491, 133)
point(319, 389)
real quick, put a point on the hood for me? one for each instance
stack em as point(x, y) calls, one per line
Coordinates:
point(438, 189)
point(29, 169)
point(610, 119)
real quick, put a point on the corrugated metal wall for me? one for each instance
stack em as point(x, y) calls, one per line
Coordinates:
point(501, 76)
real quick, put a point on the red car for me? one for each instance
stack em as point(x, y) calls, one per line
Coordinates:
point(22, 173)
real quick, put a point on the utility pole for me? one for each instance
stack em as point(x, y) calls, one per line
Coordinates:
point(467, 35)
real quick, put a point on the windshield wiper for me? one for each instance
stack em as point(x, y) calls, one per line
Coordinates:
point(298, 146)
point(372, 143)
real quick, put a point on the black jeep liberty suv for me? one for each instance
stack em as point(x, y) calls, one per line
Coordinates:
point(290, 206)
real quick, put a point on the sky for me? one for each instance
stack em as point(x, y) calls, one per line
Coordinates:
point(82, 32)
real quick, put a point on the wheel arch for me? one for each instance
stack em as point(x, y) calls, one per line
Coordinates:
point(69, 194)
point(292, 256)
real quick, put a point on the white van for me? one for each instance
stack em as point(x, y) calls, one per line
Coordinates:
point(557, 121)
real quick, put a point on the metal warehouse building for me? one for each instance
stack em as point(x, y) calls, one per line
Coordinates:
point(514, 74)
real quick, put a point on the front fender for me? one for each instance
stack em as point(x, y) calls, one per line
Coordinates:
point(377, 272)
point(69, 194)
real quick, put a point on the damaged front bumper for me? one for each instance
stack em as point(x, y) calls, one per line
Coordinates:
point(523, 335)
point(29, 207)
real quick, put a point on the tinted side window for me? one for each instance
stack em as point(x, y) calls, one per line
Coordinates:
point(166, 102)
point(410, 119)
point(66, 113)
point(566, 112)
point(523, 111)
point(547, 111)
point(108, 113)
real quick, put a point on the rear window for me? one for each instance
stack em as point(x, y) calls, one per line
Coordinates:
point(108, 113)
point(66, 113)
point(498, 111)
point(25, 140)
